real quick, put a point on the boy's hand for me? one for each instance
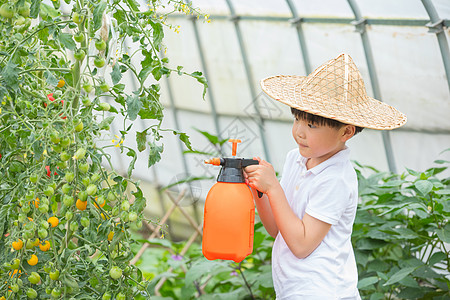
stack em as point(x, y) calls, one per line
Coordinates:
point(261, 177)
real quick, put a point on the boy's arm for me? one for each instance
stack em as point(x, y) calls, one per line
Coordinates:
point(265, 213)
point(302, 236)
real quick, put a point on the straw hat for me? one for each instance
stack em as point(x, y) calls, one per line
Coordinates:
point(335, 90)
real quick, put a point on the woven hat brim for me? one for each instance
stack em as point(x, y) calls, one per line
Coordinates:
point(370, 113)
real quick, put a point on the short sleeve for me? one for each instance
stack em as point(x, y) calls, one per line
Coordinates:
point(329, 199)
point(290, 159)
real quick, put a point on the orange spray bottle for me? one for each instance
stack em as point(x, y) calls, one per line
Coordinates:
point(229, 213)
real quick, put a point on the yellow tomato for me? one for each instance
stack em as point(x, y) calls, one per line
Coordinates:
point(53, 221)
point(17, 245)
point(33, 260)
point(45, 247)
point(61, 83)
point(81, 205)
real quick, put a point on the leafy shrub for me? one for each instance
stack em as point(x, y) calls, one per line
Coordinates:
point(401, 233)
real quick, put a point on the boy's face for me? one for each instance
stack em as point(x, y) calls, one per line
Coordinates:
point(319, 142)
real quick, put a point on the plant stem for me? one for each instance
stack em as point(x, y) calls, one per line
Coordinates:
point(241, 271)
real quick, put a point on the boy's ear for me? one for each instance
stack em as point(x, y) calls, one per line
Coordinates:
point(348, 132)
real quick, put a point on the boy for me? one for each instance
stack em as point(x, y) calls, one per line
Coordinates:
point(310, 213)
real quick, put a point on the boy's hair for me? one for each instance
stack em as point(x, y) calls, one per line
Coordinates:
point(315, 119)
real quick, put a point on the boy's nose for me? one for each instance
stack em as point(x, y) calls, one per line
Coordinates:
point(299, 130)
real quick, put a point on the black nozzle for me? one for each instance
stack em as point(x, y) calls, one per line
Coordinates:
point(232, 170)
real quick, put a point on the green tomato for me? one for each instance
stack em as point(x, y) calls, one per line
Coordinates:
point(104, 87)
point(73, 226)
point(56, 292)
point(69, 215)
point(120, 296)
point(34, 278)
point(125, 205)
point(91, 189)
point(69, 177)
point(54, 275)
point(132, 216)
point(66, 188)
point(43, 208)
point(26, 209)
point(7, 10)
point(95, 177)
point(29, 244)
point(79, 126)
point(64, 156)
point(14, 287)
point(65, 142)
point(86, 101)
point(68, 200)
point(55, 138)
point(99, 61)
point(79, 37)
point(104, 106)
point(42, 233)
point(31, 293)
point(15, 264)
point(85, 222)
point(49, 191)
point(44, 224)
point(24, 10)
point(34, 178)
point(85, 181)
point(77, 18)
point(79, 154)
point(83, 195)
point(106, 296)
point(79, 54)
point(48, 290)
point(100, 45)
point(115, 272)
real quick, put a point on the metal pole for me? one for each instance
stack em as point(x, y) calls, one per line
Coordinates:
point(235, 20)
point(205, 72)
point(360, 25)
point(436, 26)
point(297, 21)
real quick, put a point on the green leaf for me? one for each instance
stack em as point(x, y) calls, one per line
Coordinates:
point(131, 153)
point(67, 41)
point(200, 268)
point(98, 15)
point(365, 282)
point(202, 80)
point(106, 122)
point(444, 233)
point(34, 9)
point(158, 34)
point(133, 106)
point(133, 5)
point(50, 78)
point(424, 186)
point(399, 275)
point(154, 154)
point(443, 192)
point(437, 257)
point(11, 75)
point(184, 138)
point(116, 75)
point(141, 140)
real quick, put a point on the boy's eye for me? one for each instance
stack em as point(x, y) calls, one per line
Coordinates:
point(311, 125)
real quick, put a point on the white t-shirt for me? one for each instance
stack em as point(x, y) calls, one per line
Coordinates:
point(328, 192)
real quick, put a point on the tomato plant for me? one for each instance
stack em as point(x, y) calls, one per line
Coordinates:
point(65, 214)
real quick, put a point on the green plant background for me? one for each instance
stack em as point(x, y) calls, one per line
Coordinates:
point(400, 238)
